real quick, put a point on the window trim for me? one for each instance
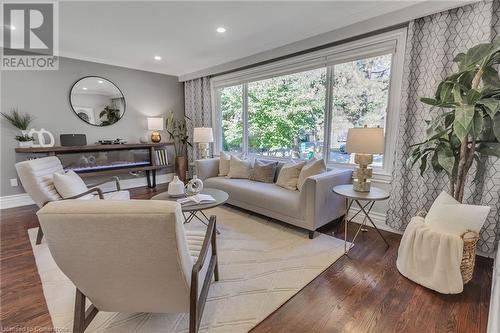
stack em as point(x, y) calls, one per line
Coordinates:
point(390, 42)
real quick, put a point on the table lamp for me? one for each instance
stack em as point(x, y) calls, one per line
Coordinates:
point(155, 125)
point(364, 142)
point(203, 136)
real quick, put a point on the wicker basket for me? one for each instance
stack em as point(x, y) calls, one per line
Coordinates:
point(470, 239)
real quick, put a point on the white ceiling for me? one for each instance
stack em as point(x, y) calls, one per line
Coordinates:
point(130, 34)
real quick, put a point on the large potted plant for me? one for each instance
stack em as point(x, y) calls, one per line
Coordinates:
point(177, 131)
point(465, 123)
point(21, 121)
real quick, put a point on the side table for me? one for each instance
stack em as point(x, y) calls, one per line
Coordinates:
point(375, 194)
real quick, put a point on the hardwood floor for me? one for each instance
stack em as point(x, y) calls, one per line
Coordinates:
point(360, 293)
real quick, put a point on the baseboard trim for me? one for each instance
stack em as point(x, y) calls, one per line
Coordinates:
point(377, 218)
point(23, 199)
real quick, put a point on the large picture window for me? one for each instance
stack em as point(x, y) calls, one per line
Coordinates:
point(304, 110)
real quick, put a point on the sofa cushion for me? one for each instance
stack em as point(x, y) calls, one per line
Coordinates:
point(239, 168)
point(289, 175)
point(312, 168)
point(265, 195)
point(264, 171)
point(224, 162)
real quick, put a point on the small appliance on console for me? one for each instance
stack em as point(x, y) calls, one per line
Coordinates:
point(112, 142)
point(73, 139)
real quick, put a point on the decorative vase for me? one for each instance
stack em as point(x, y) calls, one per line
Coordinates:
point(181, 167)
point(194, 186)
point(175, 187)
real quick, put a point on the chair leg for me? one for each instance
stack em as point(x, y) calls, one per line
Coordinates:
point(82, 317)
point(311, 234)
point(214, 253)
point(39, 236)
point(79, 319)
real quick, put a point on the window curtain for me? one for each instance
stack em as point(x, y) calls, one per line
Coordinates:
point(198, 108)
point(432, 43)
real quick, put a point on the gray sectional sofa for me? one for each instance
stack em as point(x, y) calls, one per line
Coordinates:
point(311, 208)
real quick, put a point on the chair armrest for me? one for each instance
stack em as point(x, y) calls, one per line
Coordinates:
point(111, 179)
point(206, 244)
point(321, 205)
point(92, 190)
point(207, 168)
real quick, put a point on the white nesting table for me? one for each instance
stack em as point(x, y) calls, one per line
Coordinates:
point(375, 194)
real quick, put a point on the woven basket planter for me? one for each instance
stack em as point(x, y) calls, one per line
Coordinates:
point(470, 239)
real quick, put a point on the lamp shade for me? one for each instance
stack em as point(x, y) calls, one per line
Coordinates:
point(203, 134)
point(155, 124)
point(365, 140)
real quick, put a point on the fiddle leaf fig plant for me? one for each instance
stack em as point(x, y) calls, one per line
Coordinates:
point(467, 127)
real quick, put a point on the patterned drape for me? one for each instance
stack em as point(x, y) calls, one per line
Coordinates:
point(197, 106)
point(432, 43)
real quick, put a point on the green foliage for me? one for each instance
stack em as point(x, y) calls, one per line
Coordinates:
point(19, 120)
point(285, 111)
point(112, 114)
point(24, 138)
point(177, 131)
point(466, 121)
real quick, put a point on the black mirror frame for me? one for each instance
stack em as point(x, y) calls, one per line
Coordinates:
point(99, 77)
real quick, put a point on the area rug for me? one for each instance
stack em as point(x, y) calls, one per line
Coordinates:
point(262, 264)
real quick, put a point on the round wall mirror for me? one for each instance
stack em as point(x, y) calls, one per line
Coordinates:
point(97, 101)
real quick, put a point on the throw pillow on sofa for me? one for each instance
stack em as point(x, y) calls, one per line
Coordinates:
point(264, 171)
point(312, 168)
point(289, 175)
point(449, 216)
point(69, 184)
point(239, 168)
point(224, 160)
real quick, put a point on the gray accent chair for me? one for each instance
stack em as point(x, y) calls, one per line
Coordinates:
point(37, 179)
point(131, 256)
point(311, 208)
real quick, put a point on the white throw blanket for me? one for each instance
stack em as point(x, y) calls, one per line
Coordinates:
point(431, 258)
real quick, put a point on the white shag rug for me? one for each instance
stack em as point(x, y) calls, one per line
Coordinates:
point(262, 264)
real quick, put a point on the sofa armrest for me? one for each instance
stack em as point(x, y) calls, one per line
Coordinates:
point(321, 205)
point(207, 168)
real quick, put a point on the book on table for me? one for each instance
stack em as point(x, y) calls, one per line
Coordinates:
point(196, 200)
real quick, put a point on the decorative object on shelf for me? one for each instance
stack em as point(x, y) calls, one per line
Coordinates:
point(40, 136)
point(470, 128)
point(155, 125)
point(97, 101)
point(112, 142)
point(161, 157)
point(194, 186)
point(176, 187)
point(364, 142)
point(144, 139)
point(177, 131)
point(21, 121)
point(73, 139)
point(25, 141)
point(203, 136)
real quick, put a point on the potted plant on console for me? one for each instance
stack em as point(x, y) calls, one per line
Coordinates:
point(177, 131)
point(20, 121)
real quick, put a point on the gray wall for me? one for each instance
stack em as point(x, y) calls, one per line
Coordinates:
point(44, 94)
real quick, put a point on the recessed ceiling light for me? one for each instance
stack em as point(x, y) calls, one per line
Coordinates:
point(100, 81)
point(158, 58)
point(221, 30)
point(84, 88)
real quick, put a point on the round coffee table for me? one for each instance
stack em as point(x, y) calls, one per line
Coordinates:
point(193, 210)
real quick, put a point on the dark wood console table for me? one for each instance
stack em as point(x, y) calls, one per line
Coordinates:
point(149, 162)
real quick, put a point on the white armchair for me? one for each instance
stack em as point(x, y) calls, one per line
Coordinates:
point(132, 256)
point(37, 179)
